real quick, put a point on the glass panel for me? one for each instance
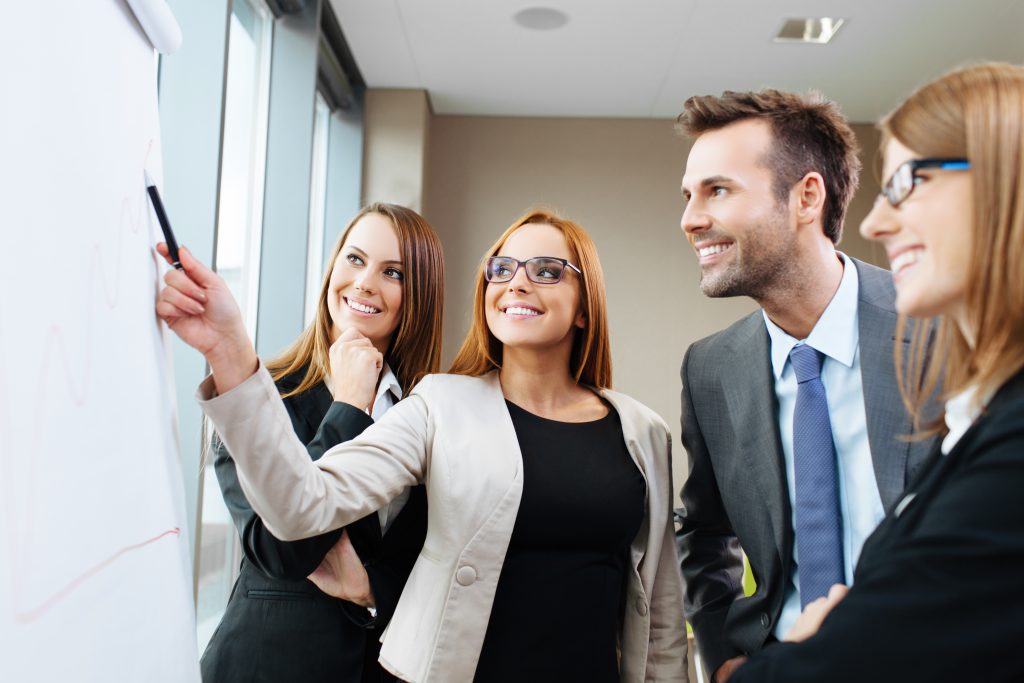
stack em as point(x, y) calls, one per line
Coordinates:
point(317, 206)
point(240, 216)
point(239, 228)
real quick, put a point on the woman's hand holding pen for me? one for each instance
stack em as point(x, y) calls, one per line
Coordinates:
point(197, 305)
point(355, 366)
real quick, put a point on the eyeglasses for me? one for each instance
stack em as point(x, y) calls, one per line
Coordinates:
point(544, 270)
point(905, 178)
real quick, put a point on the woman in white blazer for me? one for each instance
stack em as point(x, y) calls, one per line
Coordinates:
point(549, 552)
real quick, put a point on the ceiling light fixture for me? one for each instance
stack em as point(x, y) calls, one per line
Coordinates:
point(541, 18)
point(817, 31)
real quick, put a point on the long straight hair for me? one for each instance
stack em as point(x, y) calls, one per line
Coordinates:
point(415, 348)
point(590, 358)
point(976, 113)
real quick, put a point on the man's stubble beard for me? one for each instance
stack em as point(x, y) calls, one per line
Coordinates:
point(767, 264)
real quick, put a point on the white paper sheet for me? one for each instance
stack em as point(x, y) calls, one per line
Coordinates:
point(95, 582)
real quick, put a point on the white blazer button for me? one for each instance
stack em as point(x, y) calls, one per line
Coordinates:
point(466, 575)
point(641, 607)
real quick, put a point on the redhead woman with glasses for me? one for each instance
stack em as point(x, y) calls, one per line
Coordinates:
point(549, 553)
point(937, 593)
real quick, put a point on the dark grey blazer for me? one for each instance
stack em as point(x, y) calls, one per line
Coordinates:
point(736, 494)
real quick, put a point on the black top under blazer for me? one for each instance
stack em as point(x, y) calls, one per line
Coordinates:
point(278, 626)
point(938, 593)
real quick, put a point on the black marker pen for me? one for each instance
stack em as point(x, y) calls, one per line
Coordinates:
point(165, 225)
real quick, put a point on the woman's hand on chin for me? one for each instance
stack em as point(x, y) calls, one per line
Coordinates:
point(197, 305)
point(355, 367)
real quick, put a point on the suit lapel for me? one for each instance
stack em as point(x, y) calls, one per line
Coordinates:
point(317, 400)
point(887, 419)
point(504, 442)
point(749, 386)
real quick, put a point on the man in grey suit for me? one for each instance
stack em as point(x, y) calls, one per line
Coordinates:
point(767, 184)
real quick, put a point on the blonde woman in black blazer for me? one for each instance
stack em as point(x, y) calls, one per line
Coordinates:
point(549, 552)
point(349, 364)
point(938, 594)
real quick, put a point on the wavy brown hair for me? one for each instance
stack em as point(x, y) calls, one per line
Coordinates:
point(415, 348)
point(590, 359)
point(976, 113)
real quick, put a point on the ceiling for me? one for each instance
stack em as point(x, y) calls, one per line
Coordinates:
point(643, 58)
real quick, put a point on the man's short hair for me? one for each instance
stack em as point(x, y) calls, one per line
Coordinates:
point(809, 133)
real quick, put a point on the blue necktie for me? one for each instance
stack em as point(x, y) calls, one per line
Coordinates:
point(819, 527)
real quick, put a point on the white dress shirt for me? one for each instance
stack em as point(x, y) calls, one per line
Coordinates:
point(836, 336)
point(388, 392)
point(961, 412)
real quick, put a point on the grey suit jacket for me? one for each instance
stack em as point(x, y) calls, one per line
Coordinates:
point(736, 494)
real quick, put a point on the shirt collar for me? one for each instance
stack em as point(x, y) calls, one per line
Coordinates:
point(963, 409)
point(388, 382)
point(836, 333)
point(961, 412)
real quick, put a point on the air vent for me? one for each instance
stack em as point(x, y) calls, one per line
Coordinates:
point(817, 31)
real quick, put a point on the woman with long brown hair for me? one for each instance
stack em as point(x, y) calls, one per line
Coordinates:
point(375, 334)
point(549, 552)
point(937, 592)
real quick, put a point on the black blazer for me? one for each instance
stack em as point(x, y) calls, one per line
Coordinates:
point(278, 626)
point(938, 592)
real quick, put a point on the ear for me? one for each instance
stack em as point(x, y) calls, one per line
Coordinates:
point(809, 197)
point(581, 320)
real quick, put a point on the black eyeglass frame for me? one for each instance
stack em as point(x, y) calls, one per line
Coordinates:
point(523, 264)
point(907, 173)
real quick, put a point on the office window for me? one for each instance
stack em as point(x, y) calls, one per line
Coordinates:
point(240, 214)
point(239, 227)
point(317, 206)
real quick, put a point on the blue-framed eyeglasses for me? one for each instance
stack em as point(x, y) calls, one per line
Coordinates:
point(906, 177)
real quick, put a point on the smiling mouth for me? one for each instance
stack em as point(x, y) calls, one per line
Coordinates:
point(905, 260)
point(712, 250)
point(520, 312)
point(361, 308)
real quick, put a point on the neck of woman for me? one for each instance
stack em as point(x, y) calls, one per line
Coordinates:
point(538, 379)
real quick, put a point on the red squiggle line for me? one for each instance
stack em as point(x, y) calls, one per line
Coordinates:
point(29, 616)
point(77, 377)
point(111, 296)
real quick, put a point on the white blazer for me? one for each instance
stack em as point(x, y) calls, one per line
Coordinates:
point(454, 434)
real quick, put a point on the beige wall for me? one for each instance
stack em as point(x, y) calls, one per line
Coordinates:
point(395, 146)
point(620, 180)
point(853, 244)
